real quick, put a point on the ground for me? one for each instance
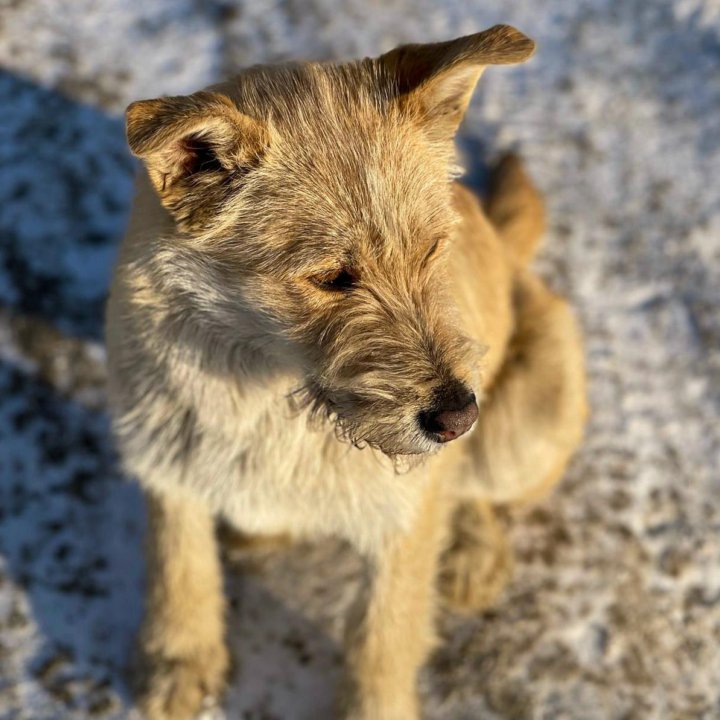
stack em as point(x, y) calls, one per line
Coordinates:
point(614, 609)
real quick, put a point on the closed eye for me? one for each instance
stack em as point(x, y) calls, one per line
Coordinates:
point(432, 251)
point(339, 280)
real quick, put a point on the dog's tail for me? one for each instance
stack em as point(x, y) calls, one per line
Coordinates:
point(516, 208)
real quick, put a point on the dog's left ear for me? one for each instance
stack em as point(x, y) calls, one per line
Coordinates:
point(197, 149)
point(436, 80)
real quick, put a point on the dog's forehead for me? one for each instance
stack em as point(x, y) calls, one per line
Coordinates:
point(361, 172)
point(344, 167)
point(362, 190)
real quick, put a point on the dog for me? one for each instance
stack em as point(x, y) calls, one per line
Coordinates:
point(314, 329)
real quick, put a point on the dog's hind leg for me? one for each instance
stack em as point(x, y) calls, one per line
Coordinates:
point(533, 414)
point(182, 660)
point(477, 562)
point(530, 423)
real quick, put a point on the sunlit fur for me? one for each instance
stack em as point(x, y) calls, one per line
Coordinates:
point(246, 386)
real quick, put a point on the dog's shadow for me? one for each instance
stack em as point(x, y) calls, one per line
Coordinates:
point(69, 526)
point(287, 619)
point(70, 533)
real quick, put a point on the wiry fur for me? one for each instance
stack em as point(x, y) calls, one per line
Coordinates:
point(247, 388)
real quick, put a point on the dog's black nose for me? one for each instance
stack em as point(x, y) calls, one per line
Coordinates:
point(453, 418)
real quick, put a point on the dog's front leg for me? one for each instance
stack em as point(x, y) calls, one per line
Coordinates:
point(182, 659)
point(393, 631)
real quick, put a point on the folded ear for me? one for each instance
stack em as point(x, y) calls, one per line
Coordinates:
point(197, 149)
point(437, 79)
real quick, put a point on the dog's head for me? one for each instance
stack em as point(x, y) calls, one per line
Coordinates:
point(318, 199)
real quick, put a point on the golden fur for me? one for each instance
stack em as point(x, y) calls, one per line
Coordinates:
point(301, 280)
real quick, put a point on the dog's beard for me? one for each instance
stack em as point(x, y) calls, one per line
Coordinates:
point(407, 447)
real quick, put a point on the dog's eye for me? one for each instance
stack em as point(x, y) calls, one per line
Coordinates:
point(432, 251)
point(336, 280)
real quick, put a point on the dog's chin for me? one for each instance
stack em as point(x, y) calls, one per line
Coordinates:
point(404, 455)
point(395, 450)
point(397, 439)
point(393, 442)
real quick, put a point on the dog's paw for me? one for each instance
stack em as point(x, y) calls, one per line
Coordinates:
point(478, 562)
point(180, 688)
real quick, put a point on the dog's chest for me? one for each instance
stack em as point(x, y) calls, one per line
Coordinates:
point(307, 483)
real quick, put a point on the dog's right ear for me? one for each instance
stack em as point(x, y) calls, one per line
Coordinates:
point(197, 149)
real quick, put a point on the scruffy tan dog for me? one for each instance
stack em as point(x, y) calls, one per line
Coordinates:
point(306, 309)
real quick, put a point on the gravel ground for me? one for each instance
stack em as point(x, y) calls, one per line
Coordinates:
point(614, 611)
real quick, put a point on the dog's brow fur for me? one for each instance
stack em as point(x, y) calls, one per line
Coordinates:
point(302, 296)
